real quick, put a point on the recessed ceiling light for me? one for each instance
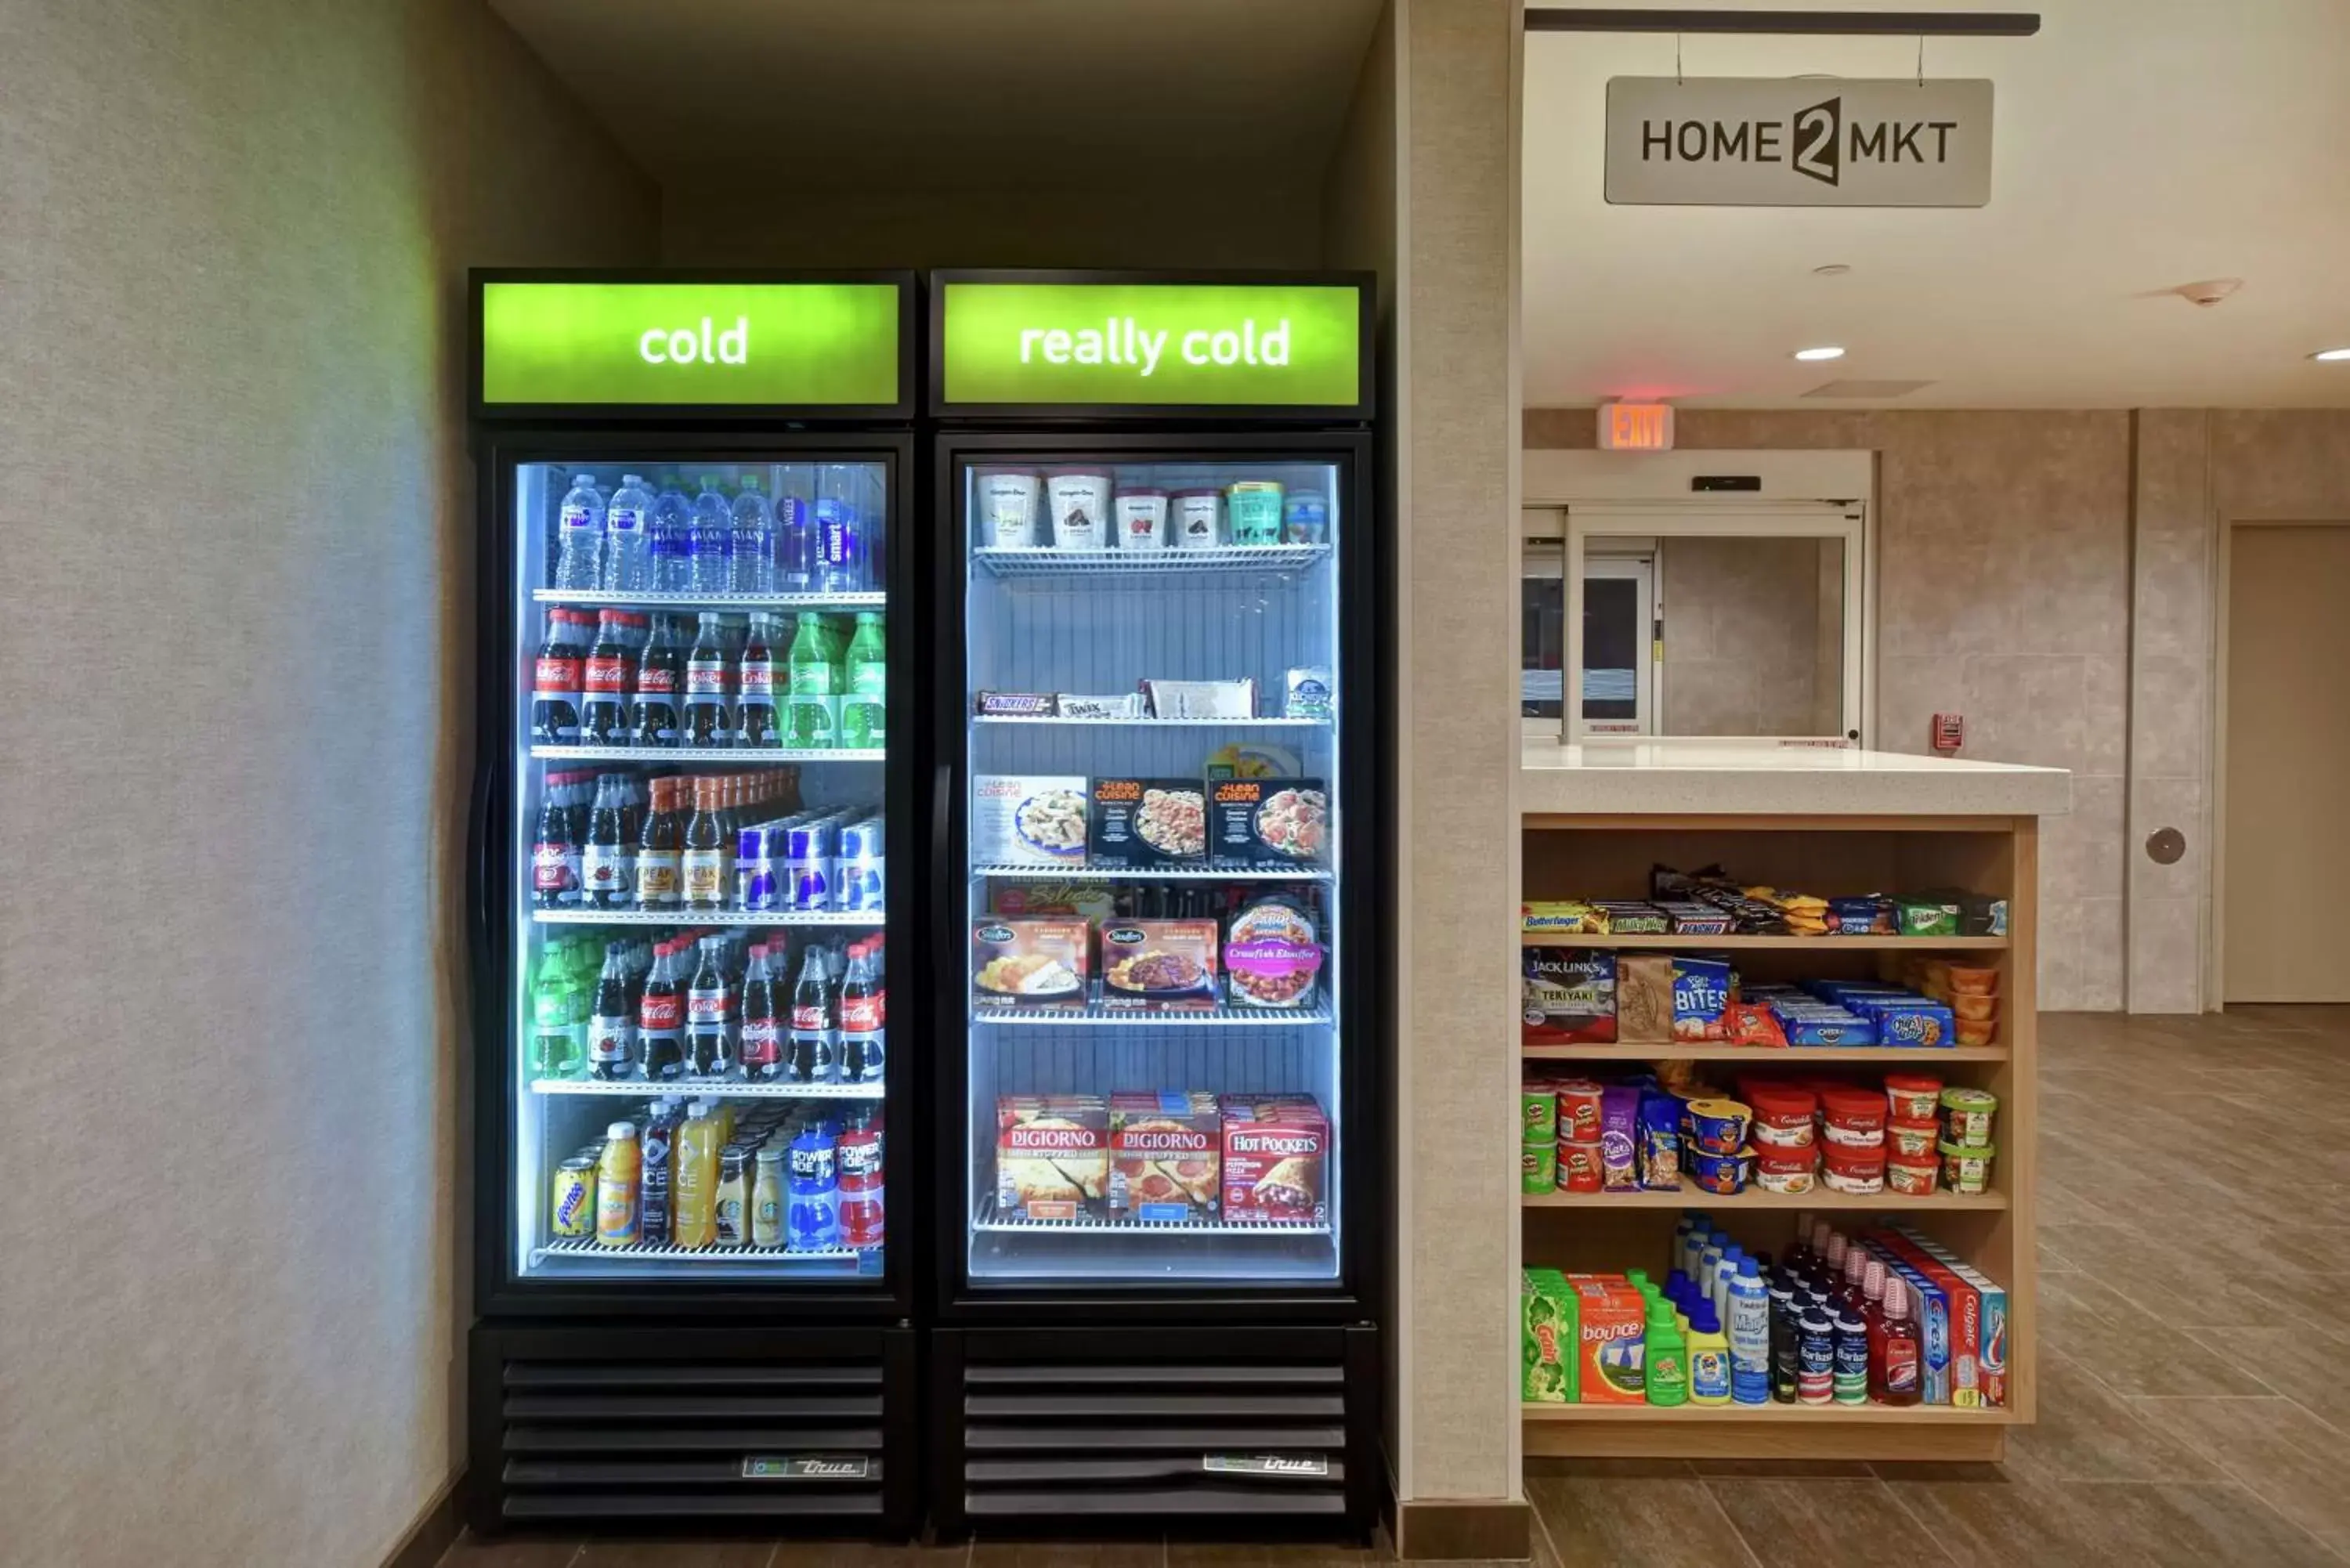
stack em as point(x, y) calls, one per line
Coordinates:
point(2332, 354)
point(1819, 353)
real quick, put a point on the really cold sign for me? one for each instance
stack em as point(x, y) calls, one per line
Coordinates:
point(1161, 345)
point(693, 344)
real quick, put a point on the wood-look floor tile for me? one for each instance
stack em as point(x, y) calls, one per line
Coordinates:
point(2280, 1452)
point(1992, 1516)
point(511, 1551)
point(676, 1554)
point(865, 1554)
point(2192, 1526)
point(1822, 1523)
point(2283, 1358)
point(1784, 1469)
point(1220, 1554)
point(1600, 1521)
point(2129, 1349)
point(1067, 1554)
point(2086, 1432)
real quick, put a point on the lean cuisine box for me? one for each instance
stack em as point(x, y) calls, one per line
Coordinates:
point(1147, 823)
point(1267, 824)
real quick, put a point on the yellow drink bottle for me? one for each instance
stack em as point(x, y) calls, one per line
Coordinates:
point(693, 1190)
point(617, 1176)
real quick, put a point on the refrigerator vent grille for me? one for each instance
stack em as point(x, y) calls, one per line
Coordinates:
point(1190, 1440)
point(586, 1440)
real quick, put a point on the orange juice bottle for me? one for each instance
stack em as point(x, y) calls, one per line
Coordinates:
point(617, 1176)
point(695, 1186)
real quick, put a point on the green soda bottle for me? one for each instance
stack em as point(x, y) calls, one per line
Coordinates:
point(559, 1039)
point(863, 722)
point(812, 711)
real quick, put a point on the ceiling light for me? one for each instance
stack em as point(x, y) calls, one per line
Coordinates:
point(2332, 354)
point(1819, 353)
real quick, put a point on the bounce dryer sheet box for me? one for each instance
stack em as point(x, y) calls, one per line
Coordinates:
point(1612, 1321)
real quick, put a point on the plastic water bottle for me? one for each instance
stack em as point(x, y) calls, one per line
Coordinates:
point(795, 530)
point(670, 527)
point(628, 544)
point(840, 544)
point(708, 534)
point(580, 532)
point(752, 546)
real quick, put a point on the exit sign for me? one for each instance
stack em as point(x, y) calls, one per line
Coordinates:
point(1635, 427)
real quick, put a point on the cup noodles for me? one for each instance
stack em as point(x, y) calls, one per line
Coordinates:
point(1277, 1149)
point(1166, 1154)
point(1158, 964)
point(1019, 963)
point(1052, 1155)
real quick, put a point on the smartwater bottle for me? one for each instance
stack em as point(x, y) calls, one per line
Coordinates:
point(795, 529)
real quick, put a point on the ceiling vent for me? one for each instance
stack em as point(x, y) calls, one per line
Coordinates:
point(1858, 389)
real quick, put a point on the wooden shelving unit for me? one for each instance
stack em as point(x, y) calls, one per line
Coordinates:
point(1567, 855)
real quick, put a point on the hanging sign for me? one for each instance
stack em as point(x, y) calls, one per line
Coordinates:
point(1798, 142)
point(698, 344)
point(1150, 344)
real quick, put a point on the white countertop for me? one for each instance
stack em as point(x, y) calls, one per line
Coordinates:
point(1730, 778)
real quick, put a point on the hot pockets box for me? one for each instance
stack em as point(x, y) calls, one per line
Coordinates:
point(1267, 824)
point(1275, 1151)
point(1147, 823)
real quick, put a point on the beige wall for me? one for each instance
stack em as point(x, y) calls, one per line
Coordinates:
point(238, 520)
point(2003, 593)
point(1752, 636)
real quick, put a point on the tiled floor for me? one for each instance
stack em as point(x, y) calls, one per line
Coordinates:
point(2194, 1356)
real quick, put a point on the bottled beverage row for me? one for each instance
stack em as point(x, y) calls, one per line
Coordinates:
point(701, 844)
point(709, 1006)
point(697, 1176)
point(624, 678)
point(821, 533)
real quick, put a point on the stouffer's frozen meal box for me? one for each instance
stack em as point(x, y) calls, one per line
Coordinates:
point(1158, 964)
point(1024, 962)
point(1052, 1155)
point(1166, 1154)
point(1277, 1150)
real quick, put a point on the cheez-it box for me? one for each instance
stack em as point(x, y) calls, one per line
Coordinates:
point(1276, 1152)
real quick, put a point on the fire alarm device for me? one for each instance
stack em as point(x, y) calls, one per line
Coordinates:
point(1949, 732)
point(1635, 427)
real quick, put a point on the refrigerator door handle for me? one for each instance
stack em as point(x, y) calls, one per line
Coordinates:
point(478, 871)
point(940, 823)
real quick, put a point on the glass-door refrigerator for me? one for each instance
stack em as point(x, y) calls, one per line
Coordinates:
point(697, 653)
point(1154, 897)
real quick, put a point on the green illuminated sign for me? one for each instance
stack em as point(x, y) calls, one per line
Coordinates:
point(734, 343)
point(1298, 345)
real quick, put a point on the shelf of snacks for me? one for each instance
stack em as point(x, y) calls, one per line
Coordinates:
point(1774, 1022)
point(1258, 722)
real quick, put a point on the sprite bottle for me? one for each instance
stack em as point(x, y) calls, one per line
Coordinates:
point(866, 671)
point(558, 1037)
point(812, 710)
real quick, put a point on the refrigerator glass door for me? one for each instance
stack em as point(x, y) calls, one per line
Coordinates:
point(697, 1079)
point(1154, 959)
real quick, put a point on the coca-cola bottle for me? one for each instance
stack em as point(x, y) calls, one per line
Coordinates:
point(709, 1052)
point(658, 846)
point(555, 860)
point(654, 715)
point(762, 1022)
point(604, 684)
point(555, 678)
point(861, 1050)
point(706, 695)
point(612, 1027)
point(604, 859)
point(813, 1049)
point(660, 1017)
point(754, 687)
point(703, 861)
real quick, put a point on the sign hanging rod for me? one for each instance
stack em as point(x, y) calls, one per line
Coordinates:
point(1897, 23)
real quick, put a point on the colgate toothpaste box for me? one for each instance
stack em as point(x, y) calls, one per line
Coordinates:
point(1166, 1154)
point(1978, 1311)
point(1276, 1152)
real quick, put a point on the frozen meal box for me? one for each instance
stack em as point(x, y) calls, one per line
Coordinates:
point(1166, 1154)
point(1272, 954)
point(1157, 964)
point(1027, 819)
point(1267, 824)
point(1276, 1150)
point(1568, 995)
point(1052, 1155)
point(1028, 963)
point(1146, 824)
point(1037, 896)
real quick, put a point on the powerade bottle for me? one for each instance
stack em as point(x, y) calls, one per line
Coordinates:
point(812, 1213)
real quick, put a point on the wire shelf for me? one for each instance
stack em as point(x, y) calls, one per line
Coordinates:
point(1094, 1014)
point(990, 1218)
point(1258, 724)
point(691, 600)
point(593, 917)
point(589, 1247)
point(1039, 561)
point(723, 1088)
point(1148, 873)
point(737, 754)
